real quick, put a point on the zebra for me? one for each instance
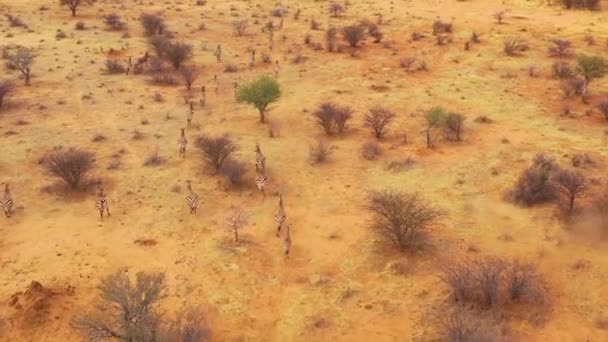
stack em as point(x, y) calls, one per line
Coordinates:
point(183, 142)
point(192, 198)
point(277, 69)
point(218, 53)
point(139, 62)
point(271, 39)
point(102, 203)
point(6, 202)
point(287, 241)
point(216, 79)
point(190, 114)
point(252, 59)
point(260, 159)
point(129, 65)
point(203, 96)
point(279, 215)
point(260, 179)
point(236, 89)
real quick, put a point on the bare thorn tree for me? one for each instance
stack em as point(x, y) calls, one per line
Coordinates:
point(336, 8)
point(570, 184)
point(378, 119)
point(189, 74)
point(128, 311)
point(401, 217)
point(215, 150)
point(454, 123)
point(353, 34)
point(22, 60)
point(236, 220)
point(74, 4)
point(239, 27)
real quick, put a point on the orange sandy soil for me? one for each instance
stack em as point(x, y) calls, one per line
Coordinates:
point(338, 284)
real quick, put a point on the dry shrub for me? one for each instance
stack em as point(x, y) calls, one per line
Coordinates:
point(114, 67)
point(80, 26)
point(561, 48)
point(581, 4)
point(231, 67)
point(159, 44)
point(573, 86)
point(371, 150)
point(74, 4)
point(6, 88)
point(454, 124)
point(129, 310)
point(190, 326)
point(279, 12)
point(378, 119)
point(533, 187)
point(562, 70)
point(114, 22)
point(22, 60)
point(164, 79)
point(15, 21)
point(336, 8)
point(153, 24)
point(441, 27)
point(233, 170)
point(240, 27)
point(513, 46)
point(177, 53)
point(154, 159)
point(319, 152)
point(236, 221)
point(71, 165)
point(602, 106)
point(462, 325)
point(491, 282)
point(401, 217)
point(330, 116)
point(216, 150)
point(353, 34)
point(315, 25)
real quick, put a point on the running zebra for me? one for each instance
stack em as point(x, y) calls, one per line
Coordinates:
point(6, 202)
point(260, 159)
point(287, 241)
point(183, 142)
point(260, 179)
point(192, 198)
point(252, 58)
point(218, 53)
point(279, 215)
point(203, 97)
point(190, 114)
point(102, 203)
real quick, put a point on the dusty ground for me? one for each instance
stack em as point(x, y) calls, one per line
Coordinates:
point(337, 285)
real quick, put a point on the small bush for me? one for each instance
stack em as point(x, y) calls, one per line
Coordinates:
point(336, 8)
point(374, 31)
point(533, 187)
point(6, 88)
point(573, 86)
point(233, 170)
point(319, 152)
point(378, 119)
point(239, 27)
point(216, 150)
point(154, 159)
point(279, 12)
point(331, 37)
point(513, 46)
point(159, 44)
point(371, 150)
point(330, 116)
point(581, 4)
point(15, 21)
point(236, 221)
point(164, 79)
point(153, 24)
point(440, 27)
point(189, 75)
point(562, 70)
point(401, 217)
point(71, 165)
point(80, 26)
point(454, 123)
point(177, 53)
point(114, 67)
point(231, 68)
point(561, 48)
point(114, 22)
point(571, 185)
point(353, 34)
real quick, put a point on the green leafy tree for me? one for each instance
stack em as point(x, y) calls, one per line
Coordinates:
point(591, 67)
point(434, 117)
point(260, 93)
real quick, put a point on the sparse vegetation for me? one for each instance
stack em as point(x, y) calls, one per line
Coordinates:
point(177, 53)
point(332, 117)
point(236, 221)
point(353, 34)
point(513, 46)
point(22, 60)
point(114, 22)
point(571, 185)
point(534, 185)
point(240, 27)
point(454, 124)
point(114, 67)
point(233, 170)
point(434, 117)
point(189, 75)
point(319, 152)
point(371, 150)
point(6, 88)
point(561, 48)
point(591, 68)
point(153, 24)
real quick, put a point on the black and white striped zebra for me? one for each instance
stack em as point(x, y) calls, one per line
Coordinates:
point(260, 159)
point(6, 202)
point(287, 241)
point(260, 179)
point(183, 142)
point(191, 198)
point(102, 204)
point(279, 215)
